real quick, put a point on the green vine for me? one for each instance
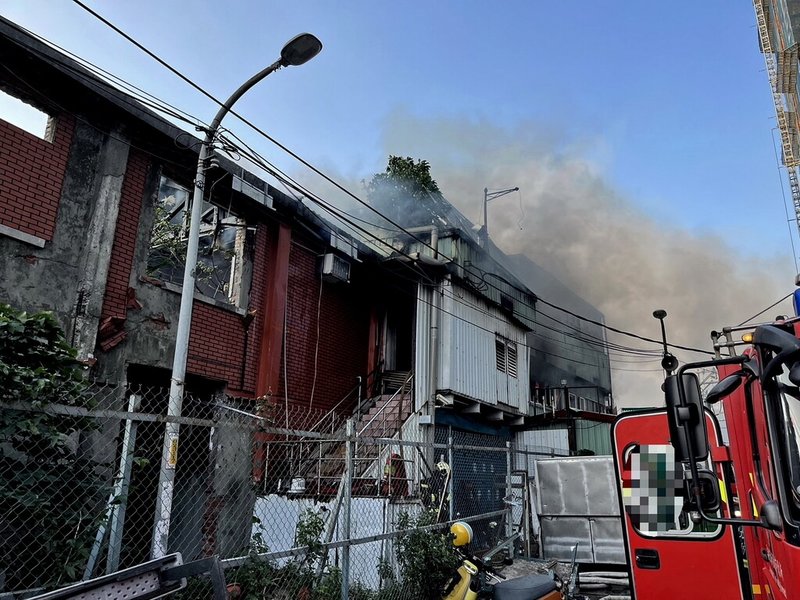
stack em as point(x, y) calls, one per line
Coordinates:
point(51, 499)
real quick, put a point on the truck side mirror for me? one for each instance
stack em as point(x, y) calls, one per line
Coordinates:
point(708, 487)
point(724, 388)
point(771, 515)
point(687, 424)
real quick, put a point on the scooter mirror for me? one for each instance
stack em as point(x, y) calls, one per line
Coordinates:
point(461, 532)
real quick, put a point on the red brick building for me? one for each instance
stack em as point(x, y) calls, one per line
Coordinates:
point(91, 223)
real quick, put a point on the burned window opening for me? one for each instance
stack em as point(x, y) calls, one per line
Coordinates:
point(27, 117)
point(221, 245)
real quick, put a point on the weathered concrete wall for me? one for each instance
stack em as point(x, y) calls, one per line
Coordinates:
point(48, 278)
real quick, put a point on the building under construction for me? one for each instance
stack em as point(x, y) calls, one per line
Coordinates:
point(778, 24)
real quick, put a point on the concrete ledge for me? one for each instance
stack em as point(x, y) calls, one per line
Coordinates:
point(22, 236)
point(207, 299)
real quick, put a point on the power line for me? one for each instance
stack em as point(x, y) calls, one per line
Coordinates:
point(773, 305)
point(342, 188)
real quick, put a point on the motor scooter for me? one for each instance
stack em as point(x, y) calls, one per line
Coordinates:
point(476, 579)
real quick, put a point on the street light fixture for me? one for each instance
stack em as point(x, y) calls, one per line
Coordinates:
point(669, 363)
point(297, 51)
point(488, 197)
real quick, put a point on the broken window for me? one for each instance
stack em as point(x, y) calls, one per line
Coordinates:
point(26, 117)
point(220, 254)
point(505, 354)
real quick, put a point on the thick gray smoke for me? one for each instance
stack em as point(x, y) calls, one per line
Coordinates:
point(600, 244)
point(577, 226)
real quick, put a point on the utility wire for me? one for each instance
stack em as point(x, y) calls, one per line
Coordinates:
point(335, 183)
point(159, 105)
point(773, 305)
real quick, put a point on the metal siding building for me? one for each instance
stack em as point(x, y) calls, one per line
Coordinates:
point(593, 436)
point(470, 328)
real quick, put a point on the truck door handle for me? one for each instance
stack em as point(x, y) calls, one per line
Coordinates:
point(648, 559)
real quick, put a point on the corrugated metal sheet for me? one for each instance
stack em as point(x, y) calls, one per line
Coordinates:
point(462, 253)
point(590, 435)
point(578, 503)
point(535, 444)
point(422, 354)
point(544, 440)
point(469, 328)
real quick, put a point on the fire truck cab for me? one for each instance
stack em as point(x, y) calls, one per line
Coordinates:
point(706, 517)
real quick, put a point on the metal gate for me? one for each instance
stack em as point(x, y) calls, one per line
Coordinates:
point(577, 503)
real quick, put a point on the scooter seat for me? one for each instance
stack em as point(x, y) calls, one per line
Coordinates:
point(528, 587)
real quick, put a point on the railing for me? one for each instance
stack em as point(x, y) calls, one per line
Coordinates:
point(361, 385)
point(382, 410)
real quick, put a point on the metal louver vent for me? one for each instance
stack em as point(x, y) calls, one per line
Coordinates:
point(500, 355)
point(511, 359)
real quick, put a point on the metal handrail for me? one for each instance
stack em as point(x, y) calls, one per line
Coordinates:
point(361, 382)
point(392, 397)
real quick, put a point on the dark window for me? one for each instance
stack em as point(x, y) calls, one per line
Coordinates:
point(220, 257)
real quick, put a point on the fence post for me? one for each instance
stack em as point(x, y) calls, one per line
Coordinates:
point(347, 481)
point(451, 516)
point(509, 492)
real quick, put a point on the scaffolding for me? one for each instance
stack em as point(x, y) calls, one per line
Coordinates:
point(782, 70)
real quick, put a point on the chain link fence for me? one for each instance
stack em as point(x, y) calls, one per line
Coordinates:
point(296, 503)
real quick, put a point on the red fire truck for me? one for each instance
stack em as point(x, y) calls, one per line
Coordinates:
point(706, 517)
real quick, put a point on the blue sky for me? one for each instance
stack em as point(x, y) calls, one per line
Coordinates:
point(640, 133)
point(669, 98)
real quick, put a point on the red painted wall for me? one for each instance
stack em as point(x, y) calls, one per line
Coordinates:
point(119, 271)
point(31, 174)
point(343, 335)
point(222, 345)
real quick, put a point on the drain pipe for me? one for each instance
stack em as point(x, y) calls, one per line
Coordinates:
point(433, 361)
point(434, 236)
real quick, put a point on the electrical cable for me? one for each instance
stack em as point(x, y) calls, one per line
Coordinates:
point(783, 194)
point(336, 184)
point(773, 305)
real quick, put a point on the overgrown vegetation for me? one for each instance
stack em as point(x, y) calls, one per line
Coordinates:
point(406, 192)
point(426, 560)
point(50, 497)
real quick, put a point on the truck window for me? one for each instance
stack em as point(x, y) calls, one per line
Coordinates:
point(653, 493)
point(790, 409)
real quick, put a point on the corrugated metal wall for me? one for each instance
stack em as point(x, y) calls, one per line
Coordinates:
point(468, 329)
point(543, 440)
point(590, 435)
point(422, 345)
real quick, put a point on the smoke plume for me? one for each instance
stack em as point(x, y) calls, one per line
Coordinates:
point(573, 223)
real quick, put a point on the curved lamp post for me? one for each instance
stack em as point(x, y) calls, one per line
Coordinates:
point(297, 51)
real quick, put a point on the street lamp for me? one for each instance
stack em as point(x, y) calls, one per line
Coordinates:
point(669, 363)
point(297, 51)
point(488, 197)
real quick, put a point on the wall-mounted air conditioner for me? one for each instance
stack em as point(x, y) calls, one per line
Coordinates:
point(335, 268)
point(345, 244)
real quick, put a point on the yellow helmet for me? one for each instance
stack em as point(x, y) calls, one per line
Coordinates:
point(462, 533)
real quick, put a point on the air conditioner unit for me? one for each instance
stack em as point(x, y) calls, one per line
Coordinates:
point(335, 268)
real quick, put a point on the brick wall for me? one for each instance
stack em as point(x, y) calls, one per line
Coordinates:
point(31, 175)
point(221, 345)
point(130, 205)
point(343, 335)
